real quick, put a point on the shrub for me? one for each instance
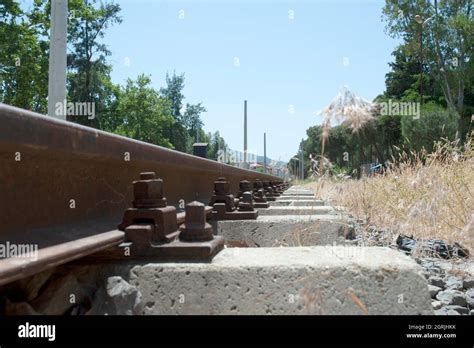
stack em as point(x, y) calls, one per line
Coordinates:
point(433, 124)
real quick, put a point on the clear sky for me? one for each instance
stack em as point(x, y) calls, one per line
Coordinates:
point(288, 59)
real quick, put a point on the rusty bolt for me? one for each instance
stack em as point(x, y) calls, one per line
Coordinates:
point(148, 192)
point(221, 187)
point(246, 203)
point(259, 196)
point(275, 185)
point(245, 186)
point(257, 184)
point(195, 227)
point(268, 189)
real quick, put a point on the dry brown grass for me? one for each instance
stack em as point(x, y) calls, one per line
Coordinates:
point(299, 235)
point(425, 195)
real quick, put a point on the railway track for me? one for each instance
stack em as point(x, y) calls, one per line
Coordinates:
point(106, 211)
point(64, 188)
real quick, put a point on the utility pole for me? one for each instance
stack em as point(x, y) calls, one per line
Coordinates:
point(57, 58)
point(301, 161)
point(245, 134)
point(295, 168)
point(421, 64)
point(264, 152)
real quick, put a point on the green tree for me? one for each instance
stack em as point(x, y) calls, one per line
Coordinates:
point(23, 56)
point(216, 143)
point(447, 41)
point(139, 112)
point(188, 124)
point(403, 75)
point(389, 135)
point(89, 72)
point(403, 81)
point(192, 120)
point(434, 123)
point(174, 92)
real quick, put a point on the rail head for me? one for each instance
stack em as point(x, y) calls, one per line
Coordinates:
point(27, 128)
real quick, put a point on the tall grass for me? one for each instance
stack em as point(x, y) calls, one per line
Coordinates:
point(429, 196)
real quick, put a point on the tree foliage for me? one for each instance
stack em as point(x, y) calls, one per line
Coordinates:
point(23, 57)
point(188, 124)
point(434, 124)
point(447, 39)
point(136, 109)
point(141, 113)
point(88, 71)
point(445, 70)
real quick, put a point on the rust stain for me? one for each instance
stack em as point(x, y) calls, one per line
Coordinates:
point(357, 301)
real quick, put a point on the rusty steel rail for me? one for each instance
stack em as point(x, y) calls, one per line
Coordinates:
point(63, 184)
point(12, 269)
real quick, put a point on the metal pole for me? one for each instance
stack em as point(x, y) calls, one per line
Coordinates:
point(301, 161)
point(245, 134)
point(264, 152)
point(421, 64)
point(57, 59)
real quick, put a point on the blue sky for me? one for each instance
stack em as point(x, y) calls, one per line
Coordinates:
point(283, 62)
